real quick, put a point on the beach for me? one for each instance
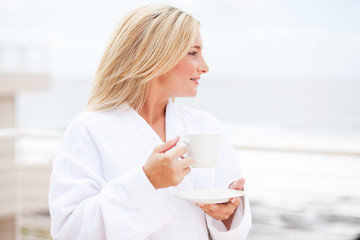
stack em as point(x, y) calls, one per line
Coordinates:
point(297, 196)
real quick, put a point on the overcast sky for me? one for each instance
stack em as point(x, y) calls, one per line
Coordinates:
point(318, 38)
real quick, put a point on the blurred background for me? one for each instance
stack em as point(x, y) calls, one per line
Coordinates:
point(284, 80)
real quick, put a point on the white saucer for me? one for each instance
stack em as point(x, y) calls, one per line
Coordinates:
point(210, 195)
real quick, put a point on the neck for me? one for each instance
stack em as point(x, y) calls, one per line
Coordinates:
point(153, 111)
point(154, 107)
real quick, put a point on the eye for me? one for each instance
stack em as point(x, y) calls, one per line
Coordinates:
point(193, 53)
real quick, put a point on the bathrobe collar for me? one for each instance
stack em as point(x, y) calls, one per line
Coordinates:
point(170, 123)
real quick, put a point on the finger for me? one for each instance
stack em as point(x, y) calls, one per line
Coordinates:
point(238, 184)
point(186, 162)
point(177, 152)
point(216, 215)
point(186, 171)
point(225, 210)
point(167, 146)
point(235, 201)
point(209, 207)
point(205, 208)
point(221, 208)
point(211, 213)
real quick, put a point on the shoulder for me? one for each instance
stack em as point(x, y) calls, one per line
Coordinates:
point(97, 120)
point(89, 118)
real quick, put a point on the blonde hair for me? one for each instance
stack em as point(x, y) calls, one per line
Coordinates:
point(147, 43)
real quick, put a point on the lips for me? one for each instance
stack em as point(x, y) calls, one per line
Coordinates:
point(195, 80)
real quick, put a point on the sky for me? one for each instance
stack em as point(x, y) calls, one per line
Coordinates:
point(261, 38)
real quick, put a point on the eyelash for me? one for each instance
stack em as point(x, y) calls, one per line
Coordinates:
point(192, 53)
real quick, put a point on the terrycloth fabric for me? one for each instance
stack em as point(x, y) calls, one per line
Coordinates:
point(99, 191)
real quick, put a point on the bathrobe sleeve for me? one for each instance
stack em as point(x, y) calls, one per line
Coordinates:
point(226, 172)
point(84, 206)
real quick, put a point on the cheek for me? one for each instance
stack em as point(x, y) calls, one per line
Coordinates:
point(185, 68)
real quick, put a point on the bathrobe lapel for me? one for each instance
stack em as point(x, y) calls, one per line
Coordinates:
point(173, 128)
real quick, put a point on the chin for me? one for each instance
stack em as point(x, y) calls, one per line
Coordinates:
point(193, 94)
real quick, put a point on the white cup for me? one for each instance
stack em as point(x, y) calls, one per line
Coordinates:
point(204, 147)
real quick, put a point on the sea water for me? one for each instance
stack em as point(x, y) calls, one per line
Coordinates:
point(269, 110)
point(329, 106)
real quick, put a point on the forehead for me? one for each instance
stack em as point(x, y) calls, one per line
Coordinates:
point(198, 40)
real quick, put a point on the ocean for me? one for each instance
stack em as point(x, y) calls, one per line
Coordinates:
point(323, 106)
point(285, 110)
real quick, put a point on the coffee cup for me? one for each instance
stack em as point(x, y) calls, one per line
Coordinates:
point(204, 147)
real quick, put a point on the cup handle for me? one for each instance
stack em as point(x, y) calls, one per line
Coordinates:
point(186, 143)
point(183, 141)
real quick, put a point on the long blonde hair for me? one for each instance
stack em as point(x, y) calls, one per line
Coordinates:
point(147, 43)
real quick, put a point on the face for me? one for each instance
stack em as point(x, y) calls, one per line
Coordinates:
point(183, 79)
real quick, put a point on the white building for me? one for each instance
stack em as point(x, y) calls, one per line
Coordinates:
point(22, 188)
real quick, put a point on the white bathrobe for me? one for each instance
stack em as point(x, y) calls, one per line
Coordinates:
point(99, 191)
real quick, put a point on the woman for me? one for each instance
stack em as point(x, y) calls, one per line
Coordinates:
point(117, 170)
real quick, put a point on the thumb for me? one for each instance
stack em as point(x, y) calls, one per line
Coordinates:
point(167, 146)
point(238, 184)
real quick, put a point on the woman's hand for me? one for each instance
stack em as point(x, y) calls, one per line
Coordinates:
point(225, 211)
point(163, 168)
point(221, 211)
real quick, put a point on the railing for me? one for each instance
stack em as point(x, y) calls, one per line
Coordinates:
point(25, 179)
point(354, 153)
point(16, 133)
point(302, 194)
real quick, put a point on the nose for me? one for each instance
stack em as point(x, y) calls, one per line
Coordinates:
point(203, 67)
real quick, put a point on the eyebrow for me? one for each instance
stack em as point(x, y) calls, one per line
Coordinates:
point(198, 47)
